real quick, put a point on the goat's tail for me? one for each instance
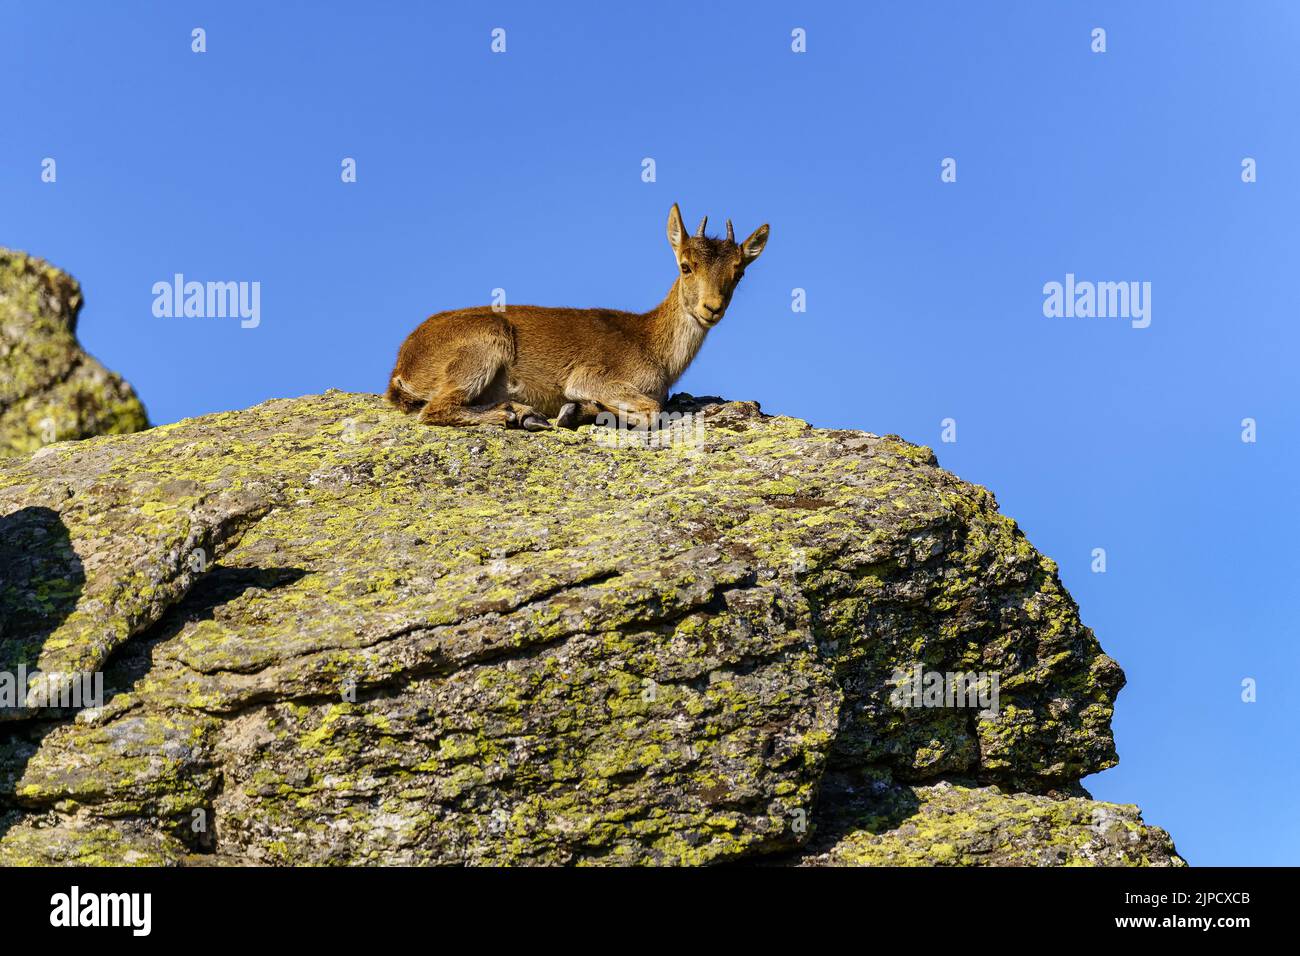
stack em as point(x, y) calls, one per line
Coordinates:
point(401, 396)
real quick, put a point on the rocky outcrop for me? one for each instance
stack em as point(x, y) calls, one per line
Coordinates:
point(329, 634)
point(867, 821)
point(50, 390)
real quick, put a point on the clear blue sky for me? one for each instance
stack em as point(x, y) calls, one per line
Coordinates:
point(522, 170)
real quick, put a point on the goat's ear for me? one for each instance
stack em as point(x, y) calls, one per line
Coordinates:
point(754, 244)
point(676, 231)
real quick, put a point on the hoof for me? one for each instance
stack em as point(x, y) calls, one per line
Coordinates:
point(535, 423)
point(568, 417)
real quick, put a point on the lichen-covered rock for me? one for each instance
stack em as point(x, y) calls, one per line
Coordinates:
point(51, 390)
point(61, 841)
point(330, 634)
point(873, 822)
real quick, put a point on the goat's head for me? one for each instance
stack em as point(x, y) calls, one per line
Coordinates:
point(710, 268)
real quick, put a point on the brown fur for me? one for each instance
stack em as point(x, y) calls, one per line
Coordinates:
point(528, 363)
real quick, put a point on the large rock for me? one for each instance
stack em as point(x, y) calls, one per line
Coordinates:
point(332, 635)
point(50, 390)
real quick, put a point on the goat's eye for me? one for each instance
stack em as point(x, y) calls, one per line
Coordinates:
point(686, 270)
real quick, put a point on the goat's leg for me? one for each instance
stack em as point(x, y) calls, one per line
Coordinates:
point(595, 386)
point(468, 374)
point(526, 416)
point(448, 410)
point(577, 414)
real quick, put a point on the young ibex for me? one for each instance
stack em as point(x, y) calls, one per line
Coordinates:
point(527, 364)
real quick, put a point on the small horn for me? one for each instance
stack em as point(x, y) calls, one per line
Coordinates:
point(703, 223)
point(731, 236)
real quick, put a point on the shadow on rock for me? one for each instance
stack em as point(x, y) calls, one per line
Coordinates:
point(41, 580)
